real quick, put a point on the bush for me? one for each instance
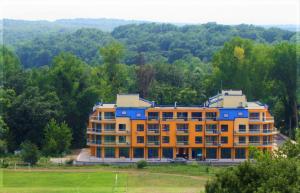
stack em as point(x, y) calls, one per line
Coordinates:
point(69, 162)
point(141, 164)
point(29, 152)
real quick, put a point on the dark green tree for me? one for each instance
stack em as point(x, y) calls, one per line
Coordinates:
point(29, 152)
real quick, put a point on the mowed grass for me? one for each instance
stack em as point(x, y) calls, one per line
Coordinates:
point(92, 180)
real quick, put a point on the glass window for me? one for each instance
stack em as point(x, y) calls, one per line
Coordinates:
point(109, 115)
point(140, 127)
point(124, 152)
point(166, 127)
point(109, 152)
point(211, 153)
point(224, 140)
point(198, 128)
point(122, 127)
point(225, 115)
point(225, 153)
point(182, 127)
point(153, 127)
point(167, 115)
point(182, 115)
point(167, 153)
point(109, 139)
point(98, 152)
point(122, 139)
point(153, 116)
point(242, 128)
point(153, 152)
point(198, 140)
point(109, 127)
point(140, 139)
point(166, 139)
point(138, 152)
point(254, 116)
point(211, 116)
point(196, 153)
point(224, 128)
point(240, 153)
point(242, 140)
point(197, 116)
point(153, 139)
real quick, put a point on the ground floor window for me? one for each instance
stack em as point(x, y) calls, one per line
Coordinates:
point(240, 153)
point(109, 152)
point(225, 153)
point(211, 153)
point(98, 152)
point(197, 153)
point(124, 152)
point(167, 152)
point(153, 152)
point(138, 153)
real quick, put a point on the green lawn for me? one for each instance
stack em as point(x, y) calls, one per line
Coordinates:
point(153, 179)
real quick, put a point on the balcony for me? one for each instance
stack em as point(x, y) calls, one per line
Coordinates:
point(153, 118)
point(153, 132)
point(182, 143)
point(212, 143)
point(267, 143)
point(210, 118)
point(110, 143)
point(240, 144)
point(212, 131)
point(196, 118)
point(109, 131)
point(258, 119)
point(182, 132)
point(93, 131)
point(254, 143)
point(153, 143)
point(254, 131)
point(96, 118)
point(93, 142)
point(126, 143)
point(270, 131)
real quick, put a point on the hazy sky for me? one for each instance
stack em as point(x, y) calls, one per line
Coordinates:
point(181, 11)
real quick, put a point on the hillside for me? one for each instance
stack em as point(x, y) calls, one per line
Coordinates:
point(36, 43)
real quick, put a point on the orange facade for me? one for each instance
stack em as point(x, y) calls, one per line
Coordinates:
point(169, 132)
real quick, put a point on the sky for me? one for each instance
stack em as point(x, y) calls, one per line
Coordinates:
point(260, 12)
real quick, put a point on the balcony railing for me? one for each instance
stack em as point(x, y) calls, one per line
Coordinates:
point(212, 143)
point(110, 142)
point(153, 142)
point(210, 118)
point(212, 131)
point(123, 143)
point(254, 143)
point(93, 142)
point(109, 117)
point(182, 143)
point(93, 130)
point(109, 131)
point(99, 118)
point(254, 131)
point(182, 131)
point(240, 143)
point(264, 119)
point(267, 142)
point(153, 131)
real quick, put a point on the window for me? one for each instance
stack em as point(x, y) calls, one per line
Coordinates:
point(198, 128)
point(242, 128)
point(196, 153)
point(153, 152)
point(254, 116)
point(109, 152)
point(240, 153)
point(124, 152)
point(153, 127)
point(211, 116)
point(197, 116)
point(109, 127)
point(240, 114)
point(138, 152)
point(167, 152)
point(140, 139)
point(182, 127)
point(242, 140)
point(166, 127)
point(254, 128)
point(98, 139)
point(122, 127)
point(166, 139)
point(211, 153)
point(198, 140)
point(109, 139)
point(138, 115)
point(153, 139)
point(226, 115)
point(153, 116)
point(224, 128)
point(98, 152)
point(254, 139)
point(109, 115)
point(167, 115)
point(140, 127)
point(122, 139)
point(123, 112)
point(225, 153)
point(182, 115)
point(182, 139)
point(224, 140)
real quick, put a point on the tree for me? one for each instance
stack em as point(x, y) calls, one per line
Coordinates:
point(145, 76)
point(3, 137)
point(29, 152)
point(57, 138)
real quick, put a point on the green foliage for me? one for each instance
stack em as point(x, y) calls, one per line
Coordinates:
point(29, 152)
point(57, 138)
point(141, 164)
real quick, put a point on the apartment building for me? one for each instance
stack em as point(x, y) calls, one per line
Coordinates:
point(223, 128)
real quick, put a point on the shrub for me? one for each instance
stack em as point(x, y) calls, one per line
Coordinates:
point(29, 152)
point(141, 164)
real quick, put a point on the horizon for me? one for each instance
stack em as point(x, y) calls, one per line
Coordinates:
point(231, 12)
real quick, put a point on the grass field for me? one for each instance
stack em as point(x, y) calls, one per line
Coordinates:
point(153, 179)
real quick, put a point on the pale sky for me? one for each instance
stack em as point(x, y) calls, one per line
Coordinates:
point(178, 11)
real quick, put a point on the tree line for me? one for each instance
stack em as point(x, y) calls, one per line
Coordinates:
point(58, 98)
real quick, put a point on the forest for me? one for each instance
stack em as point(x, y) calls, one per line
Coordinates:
point(55, 77)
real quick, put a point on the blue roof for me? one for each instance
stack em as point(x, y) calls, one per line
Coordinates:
point(232, 113)
point(131, 112)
